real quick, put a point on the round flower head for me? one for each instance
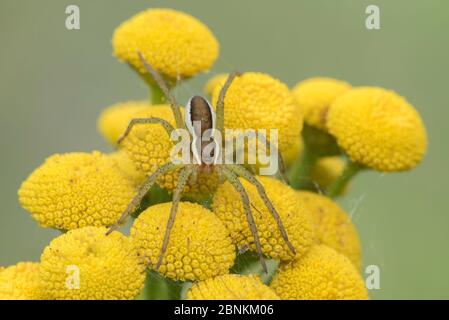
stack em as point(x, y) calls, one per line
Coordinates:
point(227, 205)
point(258, 101)
point(126, 166)
point(114, 120)
point(291, 154)
point(378, 129)
point(314, 97)
point(199, 246)
point(20, 282)
point(231, 287)
point(149, 147)
point(323, 274)
point(87, 264)
point(174, 43)
point(213, 82)
point(333, 227)
point(74, 190)
point(326, 170)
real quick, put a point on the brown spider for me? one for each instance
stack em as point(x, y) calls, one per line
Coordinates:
point(198, 110)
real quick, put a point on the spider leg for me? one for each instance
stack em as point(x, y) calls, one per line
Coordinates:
point(243, 172)
point(182, 180)
point(234, 180)
point(167, 126)
point(161, 83)
point(142, 192)
point(281, 164)
point(220, 101)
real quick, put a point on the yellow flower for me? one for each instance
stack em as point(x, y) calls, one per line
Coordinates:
point(326, 170)
point(149, 147)
point(378, 129)
point(258, 101)
point(114, 120)
point(213, 82)
point(74, 190)
point(87, 264)
point(227, 205)
point(199, 246)
point(290, 155)
point(314, 97)
point(333, 226)
point(231, 287)
point(173, 42)
point(126, 166)
point(323, 274)
point(20, 282)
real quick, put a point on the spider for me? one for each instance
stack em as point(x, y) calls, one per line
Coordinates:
point(198, 110)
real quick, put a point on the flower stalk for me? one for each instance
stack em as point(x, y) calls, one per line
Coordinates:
point(351, 169)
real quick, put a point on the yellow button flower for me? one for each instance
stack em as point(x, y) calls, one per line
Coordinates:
point(199, 246)
point(126, 166)
point(231, 287)
point(291, 154)
point(20, 282)
point(87, 264)
point(74, 190)
point(213, 82)
point(227, 205)
point(326, 170)
point(378, 128)
point(174, 43)
point(323, 274)
point(114, 120)
point(258, 101)
point(333, 226)
point(149, 147)
point(314, 97)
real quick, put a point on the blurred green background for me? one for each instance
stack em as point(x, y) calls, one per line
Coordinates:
point(55, 82)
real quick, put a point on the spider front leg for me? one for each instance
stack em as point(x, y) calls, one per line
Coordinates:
point(244, 173)
point(182, 181)
point(234, 180)
point(220, 101)
point(142, 192)
point(161, 83)
point(167, 126)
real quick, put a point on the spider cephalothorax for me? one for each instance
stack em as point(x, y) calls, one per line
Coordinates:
point(202, 123)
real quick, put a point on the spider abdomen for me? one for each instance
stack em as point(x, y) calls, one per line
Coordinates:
point(200, 121)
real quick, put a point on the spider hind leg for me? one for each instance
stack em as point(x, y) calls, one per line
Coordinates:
point(141, 193)
point(234, 180)
point(182, 181)
point(243, 172)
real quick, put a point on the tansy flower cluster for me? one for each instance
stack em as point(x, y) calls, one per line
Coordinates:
point(329, 130)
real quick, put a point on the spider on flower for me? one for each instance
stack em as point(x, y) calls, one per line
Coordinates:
point(201, 123)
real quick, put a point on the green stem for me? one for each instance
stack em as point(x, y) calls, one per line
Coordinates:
point(299, 174)
point(351, 169)
point(159, 288)
point(156, 94)
point(249, 263)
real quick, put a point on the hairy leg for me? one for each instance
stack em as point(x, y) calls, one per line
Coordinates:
point(281, 164)
point(220, 101)
point(161, 83)
point(182, 180)
point(142, 192)
point(243, 172)
point(167, 126)
point(234, 180)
